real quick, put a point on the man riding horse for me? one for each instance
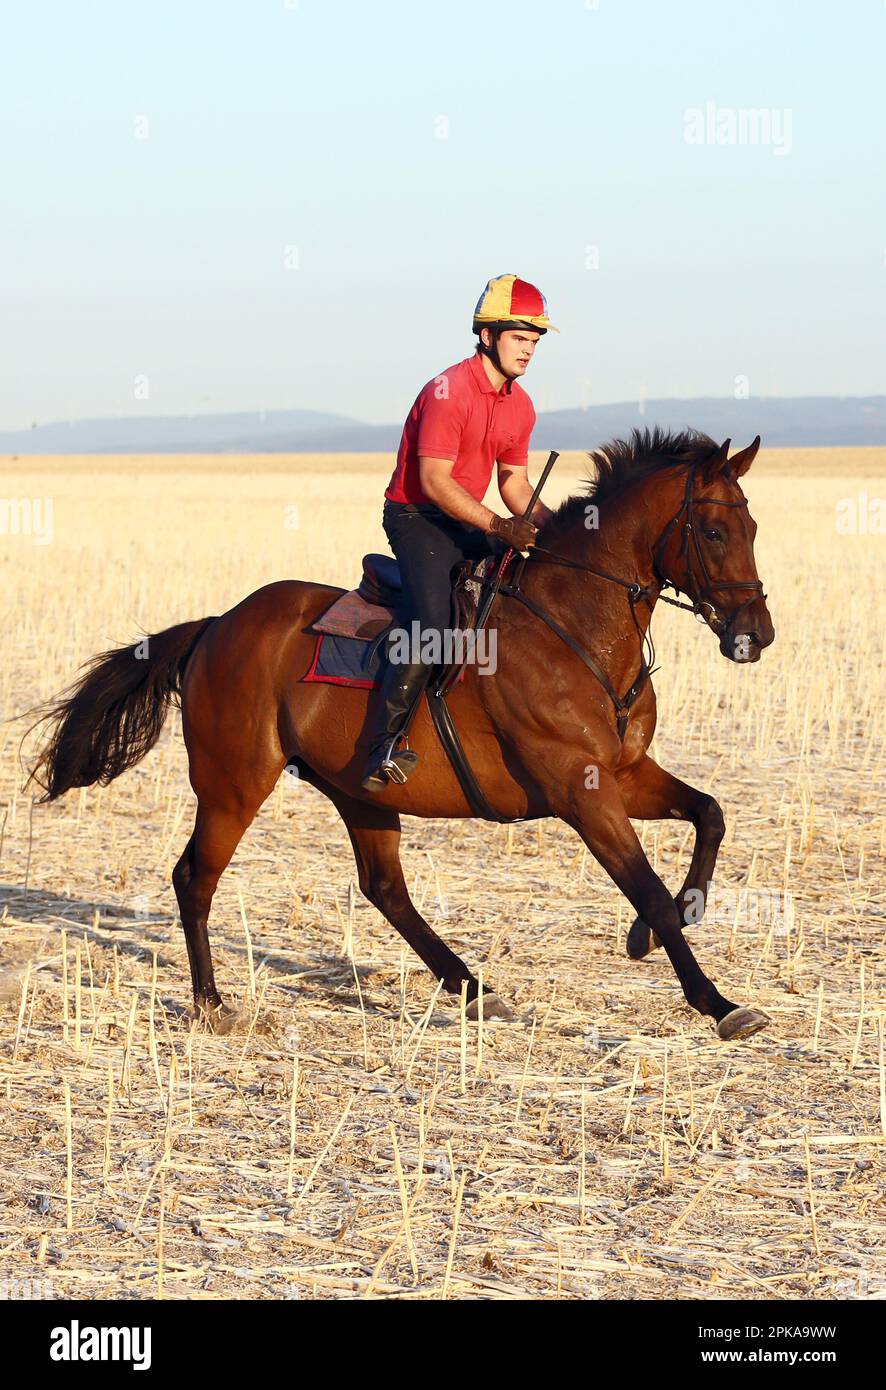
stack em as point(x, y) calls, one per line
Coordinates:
point(466, 420)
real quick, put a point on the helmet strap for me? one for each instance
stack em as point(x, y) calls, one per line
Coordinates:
point(492, 353)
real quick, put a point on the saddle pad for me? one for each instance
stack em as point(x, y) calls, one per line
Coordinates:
point(352, 616)
point(346, 661)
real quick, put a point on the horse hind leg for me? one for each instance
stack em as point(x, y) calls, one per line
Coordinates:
point(217, 833)
point(374, 833)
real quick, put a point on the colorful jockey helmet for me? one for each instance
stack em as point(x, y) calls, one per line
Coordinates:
point(509, 302)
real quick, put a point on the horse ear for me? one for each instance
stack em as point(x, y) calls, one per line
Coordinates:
point(716, 462)
point(739, 464)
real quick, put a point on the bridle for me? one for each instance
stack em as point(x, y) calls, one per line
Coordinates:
point(690, 542)
point(637, 592)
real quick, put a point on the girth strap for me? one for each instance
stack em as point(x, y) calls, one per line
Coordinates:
point(452, 746)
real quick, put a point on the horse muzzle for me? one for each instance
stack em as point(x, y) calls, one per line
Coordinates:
point(744, 643)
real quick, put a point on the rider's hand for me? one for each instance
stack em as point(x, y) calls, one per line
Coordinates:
point(519, 534)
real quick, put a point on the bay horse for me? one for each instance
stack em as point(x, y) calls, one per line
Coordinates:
point(670, 512)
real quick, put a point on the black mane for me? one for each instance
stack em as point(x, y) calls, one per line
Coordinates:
point(623, 462)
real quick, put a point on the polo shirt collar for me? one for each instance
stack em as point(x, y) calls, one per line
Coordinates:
point(482, 379)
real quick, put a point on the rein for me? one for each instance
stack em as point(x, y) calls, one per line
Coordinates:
point(636, 592)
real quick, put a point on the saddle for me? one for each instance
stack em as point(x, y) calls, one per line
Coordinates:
point(360, 618)
point(365, 613)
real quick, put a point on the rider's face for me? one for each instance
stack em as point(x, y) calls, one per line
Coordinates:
point(515, 349)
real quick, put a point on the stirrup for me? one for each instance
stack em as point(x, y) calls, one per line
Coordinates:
point(392, 767)
point(398, 766)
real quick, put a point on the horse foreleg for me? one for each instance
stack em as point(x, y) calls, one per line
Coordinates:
point(651, 793)
point(601, 818)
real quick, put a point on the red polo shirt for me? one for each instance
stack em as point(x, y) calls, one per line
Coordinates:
point(460, 416)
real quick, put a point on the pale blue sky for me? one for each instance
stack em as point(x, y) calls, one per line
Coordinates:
point(315, 126)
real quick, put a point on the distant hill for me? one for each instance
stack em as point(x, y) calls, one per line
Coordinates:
point(170, 434)
point(782, 421)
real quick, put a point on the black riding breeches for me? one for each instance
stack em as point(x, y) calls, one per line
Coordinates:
point(428, 544)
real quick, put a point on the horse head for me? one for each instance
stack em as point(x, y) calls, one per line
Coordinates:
point(707, 551)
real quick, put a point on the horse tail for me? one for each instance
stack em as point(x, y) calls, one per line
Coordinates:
point(112, 716)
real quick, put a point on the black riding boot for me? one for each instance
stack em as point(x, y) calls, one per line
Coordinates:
point(401, 687)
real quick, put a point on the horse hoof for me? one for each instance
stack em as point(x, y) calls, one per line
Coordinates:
point(741, 1023)
point(641, 940)
point(493, 1007)
point(219, 1019)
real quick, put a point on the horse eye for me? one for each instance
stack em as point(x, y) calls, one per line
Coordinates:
point(714, 535)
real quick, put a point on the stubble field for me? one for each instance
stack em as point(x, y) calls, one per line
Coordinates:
point(355, 1139)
